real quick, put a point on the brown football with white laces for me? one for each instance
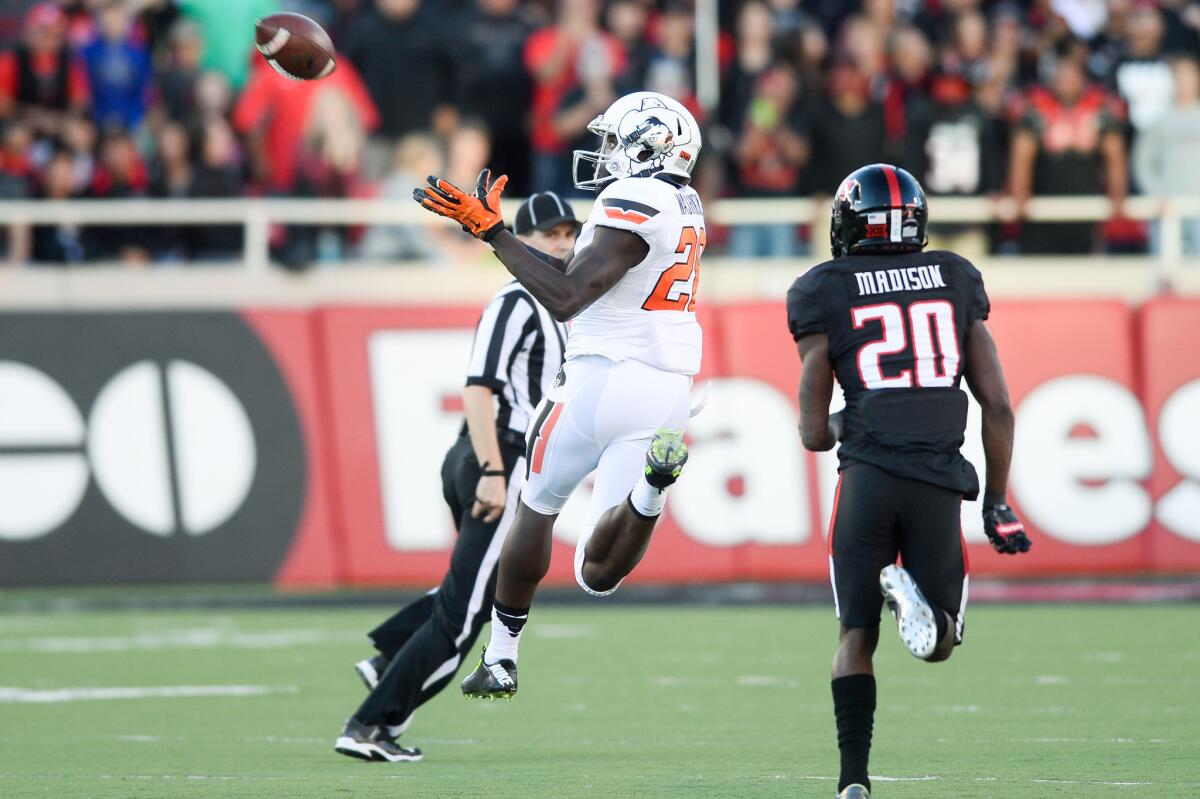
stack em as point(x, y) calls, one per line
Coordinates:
point(295, 46)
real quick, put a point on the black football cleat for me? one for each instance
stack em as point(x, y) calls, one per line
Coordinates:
point(366, 742)
point(854, 791)
point(665, 458)
point(491, 681)
point(371, 670)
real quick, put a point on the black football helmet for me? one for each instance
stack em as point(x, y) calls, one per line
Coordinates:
point(878, 208)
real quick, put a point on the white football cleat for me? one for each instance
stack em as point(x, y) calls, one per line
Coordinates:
point(914, 616)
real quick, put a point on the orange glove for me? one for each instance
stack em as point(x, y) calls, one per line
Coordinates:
point(478, 213)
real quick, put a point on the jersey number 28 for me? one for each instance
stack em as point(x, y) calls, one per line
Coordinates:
point(691, 245)
point(926, 321)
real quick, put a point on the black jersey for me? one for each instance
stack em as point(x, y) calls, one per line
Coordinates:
point(897, 328)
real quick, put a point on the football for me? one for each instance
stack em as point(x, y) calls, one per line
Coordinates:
point(297, 47)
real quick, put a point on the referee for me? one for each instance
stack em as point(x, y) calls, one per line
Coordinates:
point(517, 352)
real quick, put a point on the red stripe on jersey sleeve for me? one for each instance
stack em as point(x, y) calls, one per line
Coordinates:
point(625, 216)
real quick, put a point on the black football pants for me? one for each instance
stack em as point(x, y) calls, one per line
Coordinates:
point(427, 640)
point(879, 517)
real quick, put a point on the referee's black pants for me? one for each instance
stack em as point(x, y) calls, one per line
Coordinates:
point(427, 640)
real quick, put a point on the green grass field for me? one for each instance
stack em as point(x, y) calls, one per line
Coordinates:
point(616, 701)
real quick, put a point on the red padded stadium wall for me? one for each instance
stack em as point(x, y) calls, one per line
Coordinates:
point(755, 505)
point(312, 558)
point(1170, 362)
point(1075, 350)
point(758, 346)
point(358, 487)
point(1105, 474)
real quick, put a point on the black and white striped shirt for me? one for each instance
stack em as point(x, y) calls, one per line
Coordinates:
point(517, 352)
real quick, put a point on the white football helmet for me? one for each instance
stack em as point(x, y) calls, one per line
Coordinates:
point(641, 134)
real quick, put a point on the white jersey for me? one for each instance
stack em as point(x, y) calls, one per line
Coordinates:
point(650, 314)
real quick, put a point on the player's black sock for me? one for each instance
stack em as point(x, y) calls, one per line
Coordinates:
point(512, 618)
point(507, 623)
point(854, 707)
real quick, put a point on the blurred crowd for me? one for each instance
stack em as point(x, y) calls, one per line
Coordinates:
point(167, 99)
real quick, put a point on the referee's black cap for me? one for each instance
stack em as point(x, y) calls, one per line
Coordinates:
point(542, 211)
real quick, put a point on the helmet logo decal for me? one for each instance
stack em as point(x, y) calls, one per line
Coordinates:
point(653, 130)
point(847, 190)
point(877, 225)
point(646, 132)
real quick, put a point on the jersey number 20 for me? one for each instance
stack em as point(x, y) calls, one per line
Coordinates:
point(926, 320)
point(691, 245)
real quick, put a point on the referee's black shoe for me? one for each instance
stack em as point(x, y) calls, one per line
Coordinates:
point(372, 743)
point(854, 791)
point(371, 670)
point(491, 681)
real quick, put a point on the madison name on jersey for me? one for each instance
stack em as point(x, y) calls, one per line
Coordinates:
point(897, 328)
point(650, 314)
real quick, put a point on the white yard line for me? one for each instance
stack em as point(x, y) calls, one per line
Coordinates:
point(198, 638)
point(1051, 679)
point(928, 778)
point(1053, 740)
point(375, 775)
point(11, 695)
point(671, 681)
point(932, 778)
point(1088, 782)
point(275, 739)
point(765, 681)
point(874, 778)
